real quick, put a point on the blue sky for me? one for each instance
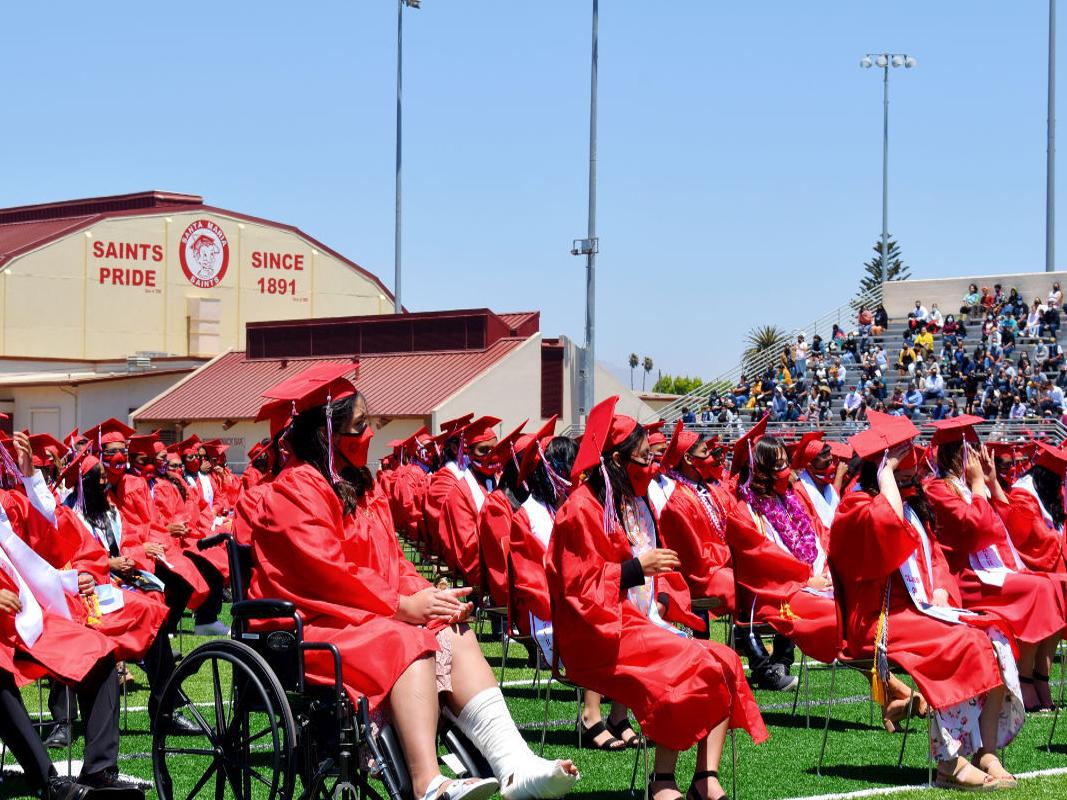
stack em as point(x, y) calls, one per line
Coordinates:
point(740, 144)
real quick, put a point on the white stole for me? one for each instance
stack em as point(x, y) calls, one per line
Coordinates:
point(466, 476)
point(823, 507)
point(913, 582)
point(987, 564)
point(659, 492)
point(541, 525)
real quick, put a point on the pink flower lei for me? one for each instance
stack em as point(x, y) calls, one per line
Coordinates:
point(788, 518)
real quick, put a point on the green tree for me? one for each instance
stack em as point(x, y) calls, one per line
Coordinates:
point(676, 384)
point(647, 366)
point(762, 339)
point(634, 362)
point(872, 270)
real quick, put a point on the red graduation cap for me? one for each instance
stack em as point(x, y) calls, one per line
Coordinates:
point(108, 432)
point(681, 441)
point(956, 429)
point(500, 454)
point(186, 447)
point(255, 451)
point(604, 429)
point(215, 448)
point(454, 424)
point(44, 444)
point(312, 387)
point(421, 437)
point(752, 436)
point(481, 430)
point(841, 450)
point(528, 447)
point(142, 445)
point(807, 449)
point(655, 432)
point(885, 433)
point(81, 463)
point(1051, 458)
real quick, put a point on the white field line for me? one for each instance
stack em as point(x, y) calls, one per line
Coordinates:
point(897, 789)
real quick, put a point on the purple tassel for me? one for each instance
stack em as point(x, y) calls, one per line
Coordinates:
point(965, 449)
point(8, 465)
point(461, 455)
point(751, 465)
point(79, 504)
point(609, 500)
point(329, 439)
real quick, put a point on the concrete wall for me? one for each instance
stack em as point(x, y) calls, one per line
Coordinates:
point(900, 296)
point(120, 287)
point(57, 409)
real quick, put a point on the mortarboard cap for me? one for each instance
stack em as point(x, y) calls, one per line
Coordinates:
point(751, 436)
point(108, 432)
point(527, 446)
point(481, 430)
point(681, 441)
point(955, 429)
point(807, 449)
point(312, 387)
point(1051, 458)
point(500, 454)
point(885, 433)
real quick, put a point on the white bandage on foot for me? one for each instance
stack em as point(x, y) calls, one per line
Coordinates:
point(523, 775)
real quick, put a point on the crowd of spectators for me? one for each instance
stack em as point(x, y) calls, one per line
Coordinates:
point(1015, 370)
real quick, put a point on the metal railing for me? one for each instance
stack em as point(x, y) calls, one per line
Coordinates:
point(755, 365)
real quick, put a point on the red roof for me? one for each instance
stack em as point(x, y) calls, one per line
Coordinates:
point(25, 228)
point(395, 385)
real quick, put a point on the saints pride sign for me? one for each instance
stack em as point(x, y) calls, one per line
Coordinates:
point(204, 253)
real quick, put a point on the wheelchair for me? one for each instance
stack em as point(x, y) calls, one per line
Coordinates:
point(265, 733)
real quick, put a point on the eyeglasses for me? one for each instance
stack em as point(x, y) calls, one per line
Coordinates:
point(116, 451)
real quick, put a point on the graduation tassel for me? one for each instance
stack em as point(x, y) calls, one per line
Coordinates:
point(609, 500)
point(560, 485)
point(329, 439)
point(880, 668)
point(8, 465)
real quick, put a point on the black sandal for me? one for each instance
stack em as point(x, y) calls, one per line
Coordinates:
point(617, 729)
point(693, 794)
point(587, 738)
point(662, 777)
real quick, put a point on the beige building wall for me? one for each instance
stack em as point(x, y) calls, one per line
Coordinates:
point(120, 287)
point(56, 409)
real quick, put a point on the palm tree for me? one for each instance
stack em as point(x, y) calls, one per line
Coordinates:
point(634, 361)
point(647, 365)
point(762, 340)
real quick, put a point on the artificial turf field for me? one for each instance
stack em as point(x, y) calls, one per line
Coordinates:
point(860, 754)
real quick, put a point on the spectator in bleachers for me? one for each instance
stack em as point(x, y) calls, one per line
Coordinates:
point(688, 417)
point(705, 414)
point(741, 392)
point(938, 410)
point(1018, 408)
point(1051, 321)
point(853, 405)
point(1052, 402)
point(1055, 356)
point(924, 342)
point(952, 331)
point(881, 321)
point(987, 302)
point(817, 348)
point(836, 334)
point(1055, 296)
point(895, 404)
point(918, 316)
point(906, 359)
point(936, 320)
point(850, 349)
point(998, 298)
point(953, 409)
point(1035, 318)
point(880, 359)
point(971, 301)
point(865, 319)
point(801, 356)
point(934, 387)
point(1013, 303)
point(1061, 376)
point(824, 400)
point(836, 374)
point(913, 401)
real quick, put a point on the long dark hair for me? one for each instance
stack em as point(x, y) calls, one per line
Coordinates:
point(620, 482)
point(178, 483)
point(94, 497)
point(508, 483)
point(310, 444)
point(868, 481)
point(765, 458)
point(560, 453)
point(1049, 488)
point(949, 459)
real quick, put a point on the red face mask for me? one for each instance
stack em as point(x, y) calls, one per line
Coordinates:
point(115, 465)
point(909, 491)
point(826, 475)
point(640, 476)
point(192, 465)
point(354, 446)
point(781, 480)
point(708, 468)
point(148, 470)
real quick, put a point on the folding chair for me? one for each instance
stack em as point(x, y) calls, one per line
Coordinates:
point(1061, 648)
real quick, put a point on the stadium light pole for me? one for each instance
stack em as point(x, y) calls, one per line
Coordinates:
point(883, 62)
point(1050, 159)
point(397, 304)
point(589, 246)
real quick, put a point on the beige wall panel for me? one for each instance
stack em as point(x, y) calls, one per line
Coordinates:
point(510, 389)
point(240, 437)
point(42, 303)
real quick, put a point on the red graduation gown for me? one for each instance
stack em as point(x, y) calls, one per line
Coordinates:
point(406, 497)
point(249, 478)
point(458, 532)
point(299, 539)
point(440, 486)
point(1040, 546)
point(776, 580)
point(1031, 603)
point(529, 582)
point(494, 541)
point(684, 527)
point(171, 507)
point(134, 627)
point(868, 544)
point(678, 688)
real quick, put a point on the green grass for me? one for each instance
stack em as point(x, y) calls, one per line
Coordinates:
point(860, 754)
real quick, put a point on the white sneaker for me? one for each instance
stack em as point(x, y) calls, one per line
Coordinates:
point(216, 628)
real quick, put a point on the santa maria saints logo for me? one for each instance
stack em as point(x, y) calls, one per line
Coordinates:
point(205, 254)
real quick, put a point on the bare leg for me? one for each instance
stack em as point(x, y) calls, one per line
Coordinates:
point(1027, 654)
point(619, 714)
point(414, 702)
point(470, 671)
point(986, 757)
point(664, 763)
point(591, 715)
point(1043, 666)
point(709, 754)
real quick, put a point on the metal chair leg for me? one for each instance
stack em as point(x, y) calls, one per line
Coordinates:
point(733, 764)
point(826, 725)
point(929, 753)
point(796, 689)
point(1056, 715)
point(904, 741)
point(544, 727)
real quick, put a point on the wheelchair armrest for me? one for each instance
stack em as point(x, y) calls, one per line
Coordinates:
point(211, 541)
point(263, 609)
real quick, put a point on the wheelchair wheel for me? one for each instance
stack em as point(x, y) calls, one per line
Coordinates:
point(246, 745)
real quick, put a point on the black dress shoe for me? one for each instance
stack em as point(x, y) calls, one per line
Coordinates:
point(180, 726)
point(107, 784)
point(65, 789)
point(59, 737)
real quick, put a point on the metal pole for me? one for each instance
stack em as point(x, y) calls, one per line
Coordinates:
point(397, 306)
point(1050, 177)
point(885, 173)
point(589, 395)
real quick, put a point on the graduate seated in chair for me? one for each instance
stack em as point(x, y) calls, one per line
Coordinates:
point(323, 538)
